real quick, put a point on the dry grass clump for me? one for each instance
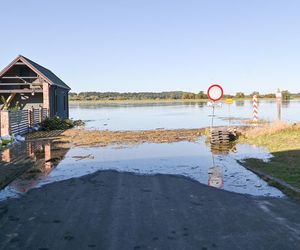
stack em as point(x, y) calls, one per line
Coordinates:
point(278, 136)
point(273, 128)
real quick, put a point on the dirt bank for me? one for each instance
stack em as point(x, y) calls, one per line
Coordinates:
point(82, 137)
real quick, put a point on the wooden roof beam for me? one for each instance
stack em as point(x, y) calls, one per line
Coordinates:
point(5, 91)
point(18, 77)
point(15, 83)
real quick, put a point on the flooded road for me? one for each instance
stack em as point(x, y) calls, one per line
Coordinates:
point(214, 167)
point(138, 116)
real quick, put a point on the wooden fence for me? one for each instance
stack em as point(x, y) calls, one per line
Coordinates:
point(18, 121)
point(21, 121)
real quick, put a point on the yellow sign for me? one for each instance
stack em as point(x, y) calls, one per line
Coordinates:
point(229, 101)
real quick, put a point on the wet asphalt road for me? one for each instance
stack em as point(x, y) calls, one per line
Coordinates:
point(111, 210)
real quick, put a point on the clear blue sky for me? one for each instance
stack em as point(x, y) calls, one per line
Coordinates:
point(158, 45)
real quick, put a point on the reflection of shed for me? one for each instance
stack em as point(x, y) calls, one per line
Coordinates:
point(26, 85)
point(40, 157)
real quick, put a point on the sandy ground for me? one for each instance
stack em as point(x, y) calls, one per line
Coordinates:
point(81, 137)
point(84, 137)
point(111, 210)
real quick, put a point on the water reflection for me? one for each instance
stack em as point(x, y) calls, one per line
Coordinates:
point(43, 156)
point(217, 167)
point(286, 103)
point(215, 173)
point(239, 103)
point(215, 177)
point(223, 148)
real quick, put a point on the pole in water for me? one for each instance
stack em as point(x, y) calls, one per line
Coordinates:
point(279, 101)
point(255, 108)
point(229, 101)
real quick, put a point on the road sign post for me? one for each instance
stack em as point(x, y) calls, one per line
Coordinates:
point(215, 93)
point(229, 101)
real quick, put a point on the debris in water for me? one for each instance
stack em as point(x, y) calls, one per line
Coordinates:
point(78, 158)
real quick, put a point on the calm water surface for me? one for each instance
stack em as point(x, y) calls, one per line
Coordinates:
point(136, 116)
point(51, 163)
point(193, 160)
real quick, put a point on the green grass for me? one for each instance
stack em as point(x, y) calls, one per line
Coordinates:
point(284, 165)
point(283, 141)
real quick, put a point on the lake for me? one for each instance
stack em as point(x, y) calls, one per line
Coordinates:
point(144, 116)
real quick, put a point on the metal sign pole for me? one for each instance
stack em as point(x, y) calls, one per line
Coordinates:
point(229, 115)
point(213, 114)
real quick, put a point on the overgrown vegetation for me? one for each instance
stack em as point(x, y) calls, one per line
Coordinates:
point(283, 141)
point(6, 105)
point(57, 123)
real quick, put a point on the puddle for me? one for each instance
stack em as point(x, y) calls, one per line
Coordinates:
point(194, 160)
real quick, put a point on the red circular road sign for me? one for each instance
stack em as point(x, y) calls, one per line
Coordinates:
point(215, 92)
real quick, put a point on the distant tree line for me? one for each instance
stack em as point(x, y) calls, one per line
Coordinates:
point(175, 95)
point(286, 95)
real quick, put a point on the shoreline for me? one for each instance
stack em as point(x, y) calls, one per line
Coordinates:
point(163, 101)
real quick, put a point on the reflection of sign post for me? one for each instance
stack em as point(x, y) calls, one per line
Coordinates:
point(278, 101)
point(215, 93)
point(215, 177)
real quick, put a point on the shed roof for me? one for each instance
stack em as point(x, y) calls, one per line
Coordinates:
point(45, 73)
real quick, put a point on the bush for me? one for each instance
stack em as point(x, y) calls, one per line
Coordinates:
point(57, 123)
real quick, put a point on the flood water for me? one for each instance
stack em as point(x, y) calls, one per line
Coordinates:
point(197, 161)
point(52, 162)
point(137, 116)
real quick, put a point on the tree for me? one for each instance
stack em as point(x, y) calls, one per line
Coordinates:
point(270, 95)
point(201, 95)
point(286, 95)
point(255, 93)
point(188, 96)
point(239, 95)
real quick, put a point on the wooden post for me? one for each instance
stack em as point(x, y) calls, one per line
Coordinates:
point(46, 96)
point(5, 122)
